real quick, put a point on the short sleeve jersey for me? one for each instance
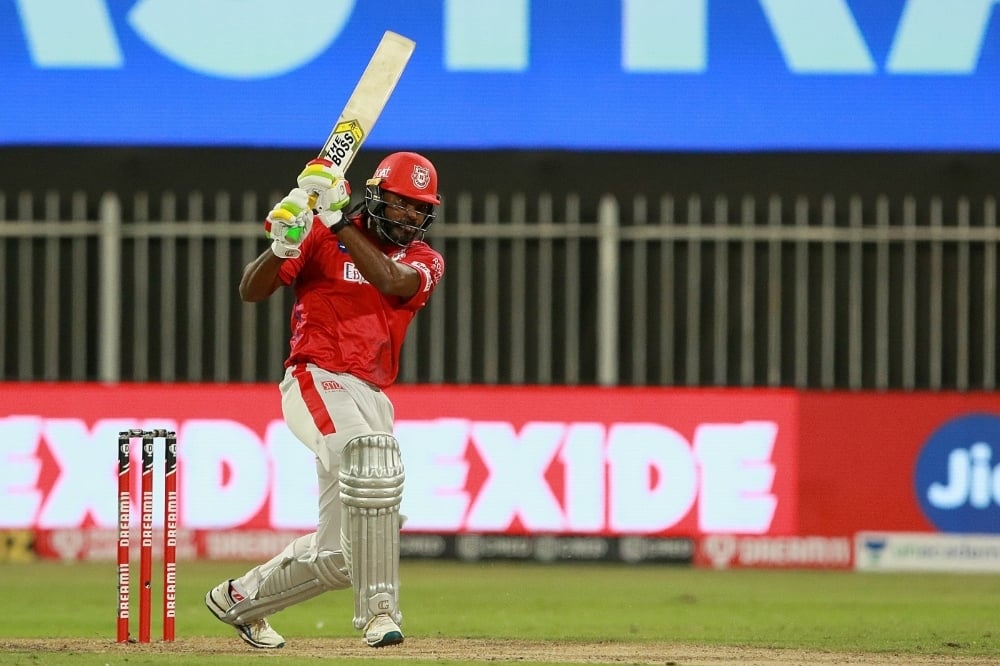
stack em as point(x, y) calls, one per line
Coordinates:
point(342, 323)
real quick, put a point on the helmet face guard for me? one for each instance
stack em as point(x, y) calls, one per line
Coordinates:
point(413, 179)
point(398, 232)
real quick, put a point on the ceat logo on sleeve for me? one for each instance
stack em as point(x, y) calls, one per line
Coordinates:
point(957, 475)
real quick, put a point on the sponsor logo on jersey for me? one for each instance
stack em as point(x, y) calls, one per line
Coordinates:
point(352, 274)
point(428, 280)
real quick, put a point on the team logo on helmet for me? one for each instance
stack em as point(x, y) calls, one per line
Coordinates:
point(421, 177)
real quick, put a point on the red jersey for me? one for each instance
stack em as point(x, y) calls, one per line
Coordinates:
point(342, 323)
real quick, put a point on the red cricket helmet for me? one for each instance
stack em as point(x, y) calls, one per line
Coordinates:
point(408, 175)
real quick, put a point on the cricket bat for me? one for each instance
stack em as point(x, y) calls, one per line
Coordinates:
point(365, 104)
point(368, 99)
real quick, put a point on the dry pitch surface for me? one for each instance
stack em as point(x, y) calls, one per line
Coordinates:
point(450, 649)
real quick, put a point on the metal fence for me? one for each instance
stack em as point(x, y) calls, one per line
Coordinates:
point(831, 292)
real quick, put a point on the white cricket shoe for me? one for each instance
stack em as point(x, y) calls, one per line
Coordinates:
point(382, 631)
point(258, 633)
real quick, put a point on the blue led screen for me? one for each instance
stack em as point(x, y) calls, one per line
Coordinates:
point(690, 75)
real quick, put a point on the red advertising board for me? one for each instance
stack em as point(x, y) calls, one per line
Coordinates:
point(761, 465)
point(859, 455)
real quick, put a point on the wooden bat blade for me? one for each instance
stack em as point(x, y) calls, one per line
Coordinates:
point(368, 99)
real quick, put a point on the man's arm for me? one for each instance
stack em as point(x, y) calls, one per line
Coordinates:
point(332, 194)
point(287, 225)
point(260, 277)
point(388, 276)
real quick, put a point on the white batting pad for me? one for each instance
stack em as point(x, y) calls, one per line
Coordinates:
point(293, 576)
point(371, 490)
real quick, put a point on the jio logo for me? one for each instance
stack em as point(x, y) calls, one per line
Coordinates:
point(958, 477)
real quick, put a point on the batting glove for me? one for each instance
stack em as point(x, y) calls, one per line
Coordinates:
point(288, 223)
point(328, 189)
point(329, 205)
point(320, 175)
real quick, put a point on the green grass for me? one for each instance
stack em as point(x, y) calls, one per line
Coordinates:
point(919, 614)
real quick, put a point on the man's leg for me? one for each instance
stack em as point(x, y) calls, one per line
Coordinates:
point(298, 573)
point(308, 566)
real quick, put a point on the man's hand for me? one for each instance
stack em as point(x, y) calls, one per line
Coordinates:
point(329, 192)
point(288, 223)
point(318, 175)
